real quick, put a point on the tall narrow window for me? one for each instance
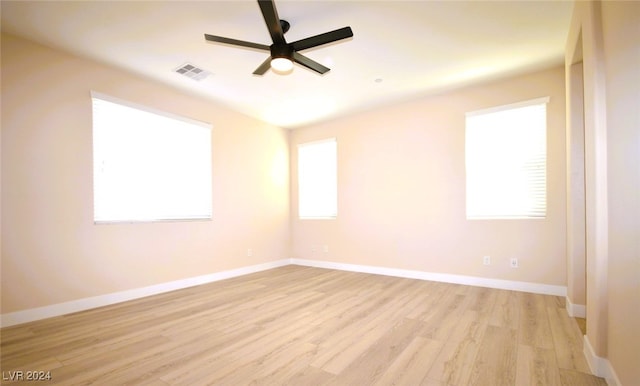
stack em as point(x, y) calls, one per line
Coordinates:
point(317, 179)
point(506, 161)
point(148, 166)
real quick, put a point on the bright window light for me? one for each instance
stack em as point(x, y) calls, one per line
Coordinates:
point(317, 180)
point(506, 161)
point(147, 165)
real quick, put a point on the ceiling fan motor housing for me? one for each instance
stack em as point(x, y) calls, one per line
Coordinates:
point(282, 51)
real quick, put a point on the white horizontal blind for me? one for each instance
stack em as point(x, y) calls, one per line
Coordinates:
point(506, 161)
point(148, 166)
point(317, 179)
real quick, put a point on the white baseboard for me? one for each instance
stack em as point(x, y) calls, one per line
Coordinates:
point(545, 289)
point(599, 366)
point(33, 314)
point(576, 310)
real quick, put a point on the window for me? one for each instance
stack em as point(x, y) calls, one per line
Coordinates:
point(148, 166)
point(506, 161)
point(317, 179)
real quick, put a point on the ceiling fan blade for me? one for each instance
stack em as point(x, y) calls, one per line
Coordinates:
point(318, 40)
point(310, 64)
point(270, 14)
point(235, 42)
point(264, 67)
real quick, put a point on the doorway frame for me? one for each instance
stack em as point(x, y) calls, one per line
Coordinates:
point(584, 45)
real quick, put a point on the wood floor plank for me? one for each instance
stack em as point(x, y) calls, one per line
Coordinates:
point(413, 363)
point(311, 376)
point(582, 324)
point(431, 294)
point(201, 371)
point(184, 351)
point(495, 363)
point(361, 334)
point(555, 301)
point(371, 365)
point(97, 367)
point(506, 311)
point(284, 364)
point(440, 321)
point(537, 367)
point(481, 299)
point(273, 367)
point(454, 363)
point(577, 378)
point(568, 341)
point(308, 326)
point(534, 329)
point(470, 326)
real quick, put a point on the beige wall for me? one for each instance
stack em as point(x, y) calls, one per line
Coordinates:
point(401, 190)
point(621, 49)
point(51, 250)
point(604, 38)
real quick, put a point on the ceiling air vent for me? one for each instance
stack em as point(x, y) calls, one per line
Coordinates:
point(193, 72)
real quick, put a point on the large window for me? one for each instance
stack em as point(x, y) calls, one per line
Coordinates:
point(506, 161)
point(147, 165)
point(317, 179)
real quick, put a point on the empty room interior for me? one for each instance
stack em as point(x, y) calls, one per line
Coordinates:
point(428, 193)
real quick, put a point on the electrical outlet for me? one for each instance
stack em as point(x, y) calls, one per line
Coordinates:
point(486, 260)
point(325, 249)
point(249, 252)
point(514, 262)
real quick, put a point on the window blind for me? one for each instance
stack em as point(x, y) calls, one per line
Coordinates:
point(317, 179)
point(506, 161)
point(148, 165)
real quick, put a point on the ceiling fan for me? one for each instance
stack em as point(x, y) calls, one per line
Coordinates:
point(284, 54)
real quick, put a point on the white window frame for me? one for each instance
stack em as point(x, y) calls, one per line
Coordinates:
point(318, 183)
point(507, 182)
point(169, 181)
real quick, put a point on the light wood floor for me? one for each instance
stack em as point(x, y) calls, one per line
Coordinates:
point(582, 325)
point(308, 326)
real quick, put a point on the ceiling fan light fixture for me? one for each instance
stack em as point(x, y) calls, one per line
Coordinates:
point(282, 65)
point(284, 54)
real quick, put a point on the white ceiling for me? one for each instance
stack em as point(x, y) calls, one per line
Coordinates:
point(400, 50)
